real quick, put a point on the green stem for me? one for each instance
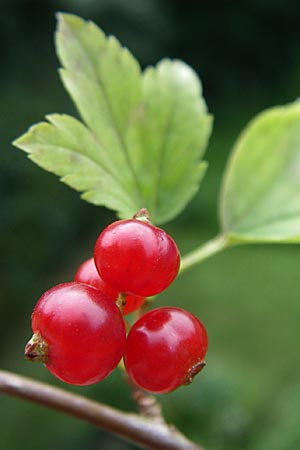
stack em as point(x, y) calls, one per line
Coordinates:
point(206, 250)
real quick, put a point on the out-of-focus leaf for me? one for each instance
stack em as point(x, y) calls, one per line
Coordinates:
point(260, 199)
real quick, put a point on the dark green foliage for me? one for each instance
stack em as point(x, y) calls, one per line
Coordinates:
point(247, 56)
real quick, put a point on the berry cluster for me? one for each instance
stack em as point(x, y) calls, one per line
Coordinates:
point(79, 329)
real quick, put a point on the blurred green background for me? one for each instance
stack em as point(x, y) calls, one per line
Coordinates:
point(247, 55)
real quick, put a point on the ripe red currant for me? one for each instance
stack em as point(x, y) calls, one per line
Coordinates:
point(134, 257)
point(87, 273)
point(165, 349)
point(79, 333)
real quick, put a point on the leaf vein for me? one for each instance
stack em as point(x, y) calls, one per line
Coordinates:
point(113, 122)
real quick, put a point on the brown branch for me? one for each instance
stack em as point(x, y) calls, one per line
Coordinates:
point(140, 430)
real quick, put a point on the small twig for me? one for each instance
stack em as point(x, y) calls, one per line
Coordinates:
point(147, 405)
point(146, 433)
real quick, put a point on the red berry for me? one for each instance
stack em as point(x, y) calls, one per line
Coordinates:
point(78, 332)
point(87, 273)
point(165, 349)
point(134, 257)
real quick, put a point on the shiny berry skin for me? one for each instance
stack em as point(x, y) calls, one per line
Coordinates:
point(87, 273)
point(165, 349)
point(81, 333)
point(134, 257)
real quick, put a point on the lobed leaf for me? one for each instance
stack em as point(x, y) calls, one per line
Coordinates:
point(64, 146)
point(260, 199)
point(143, 134)
point(168, 138)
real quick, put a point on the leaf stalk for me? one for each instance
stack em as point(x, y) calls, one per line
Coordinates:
point(204, 251)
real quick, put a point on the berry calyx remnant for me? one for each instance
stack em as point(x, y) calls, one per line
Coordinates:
point(165, 349)
point(135, 257)
point(87, 273)
point(36, 349)
point(82, 333)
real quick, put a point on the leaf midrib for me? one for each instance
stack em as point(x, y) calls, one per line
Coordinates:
point(111, 117)
point(162, 152)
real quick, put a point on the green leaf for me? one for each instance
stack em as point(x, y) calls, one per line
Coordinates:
point(169, 137)
point(142, 135)
point(260, 200)
point(66, 147)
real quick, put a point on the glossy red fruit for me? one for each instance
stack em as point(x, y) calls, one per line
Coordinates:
point(134, 257)
point(79, 333)
point(165, 349)
point(87, 273)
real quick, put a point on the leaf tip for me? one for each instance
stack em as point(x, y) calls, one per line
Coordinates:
point(66, 23)
point(59, 15)
point(20, 141)
point(63, 17)
point(15, 142)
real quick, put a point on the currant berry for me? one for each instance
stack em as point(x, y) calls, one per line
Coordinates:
point(87, 273)
point(165, 349)
point(134, 257)
point(79, 333)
